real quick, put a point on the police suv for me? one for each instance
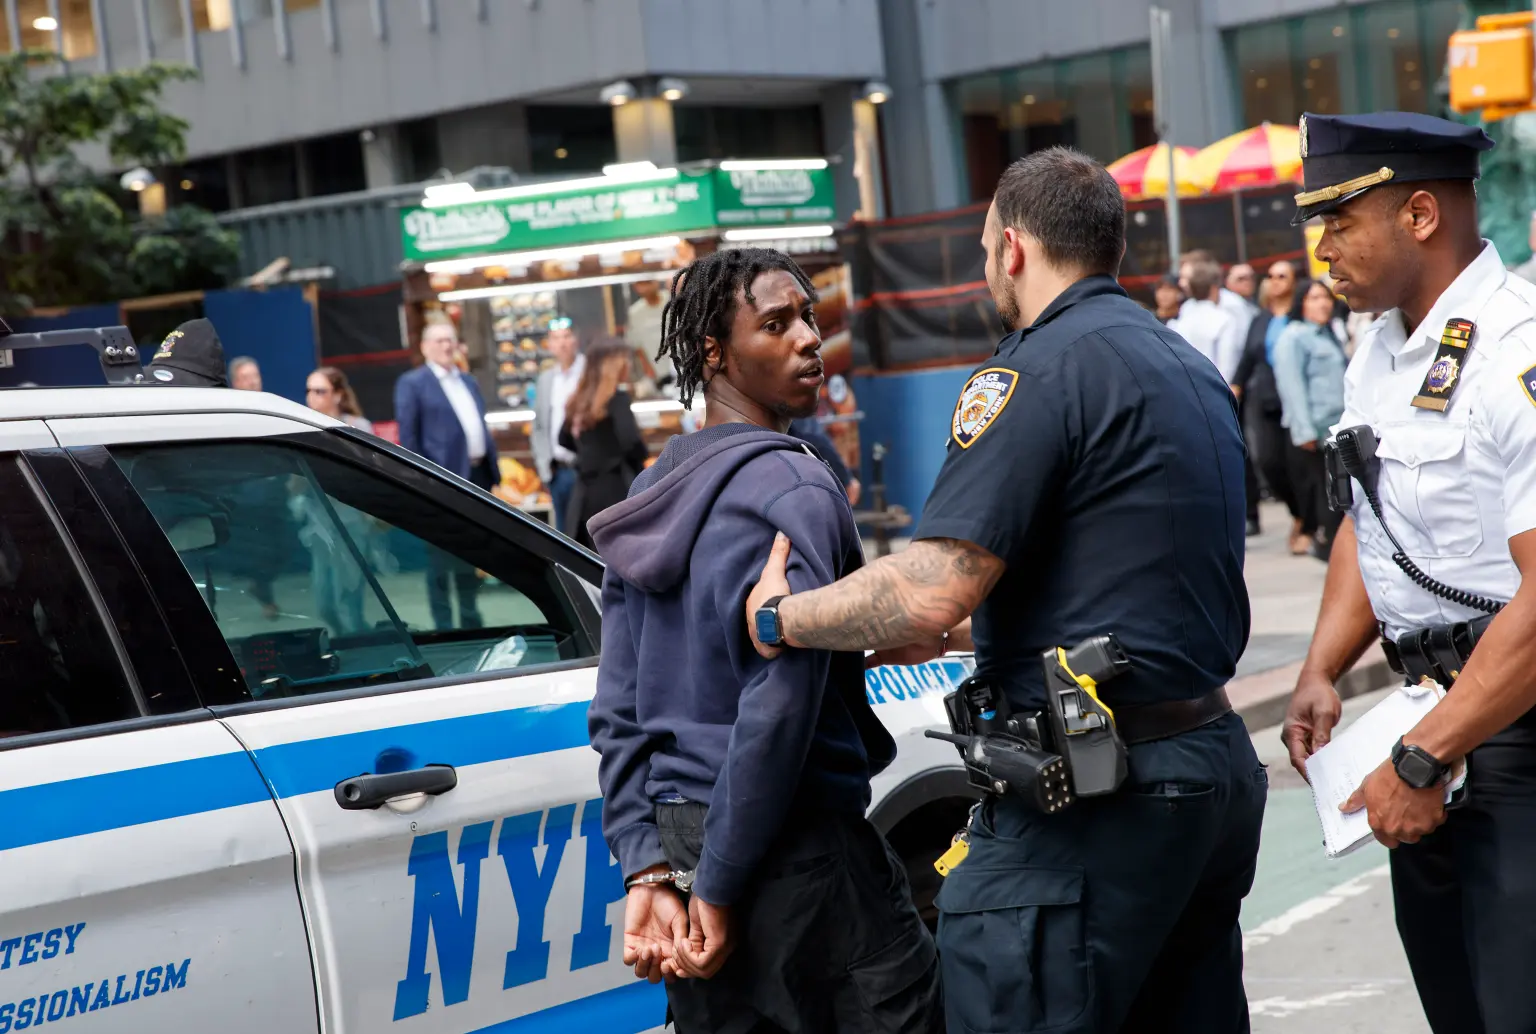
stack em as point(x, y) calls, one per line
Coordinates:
point(293, 735)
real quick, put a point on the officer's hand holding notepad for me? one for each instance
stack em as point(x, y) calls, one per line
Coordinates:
point(1338, 769)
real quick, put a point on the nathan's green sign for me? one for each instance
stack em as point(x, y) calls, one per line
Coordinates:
point(690, 202)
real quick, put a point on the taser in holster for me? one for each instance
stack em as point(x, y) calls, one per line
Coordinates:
point(1082, 726)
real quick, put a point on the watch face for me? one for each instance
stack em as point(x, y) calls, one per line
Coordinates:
point(767, 626)
point(1416, 770)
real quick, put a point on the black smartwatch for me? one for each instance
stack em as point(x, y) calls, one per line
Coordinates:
point(1416, 766)
point(770, 630)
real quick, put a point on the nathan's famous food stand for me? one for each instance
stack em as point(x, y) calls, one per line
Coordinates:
point(504, 264)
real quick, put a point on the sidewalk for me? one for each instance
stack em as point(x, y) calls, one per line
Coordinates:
point(1283, 594)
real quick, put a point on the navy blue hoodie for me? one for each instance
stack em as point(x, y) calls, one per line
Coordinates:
point(685, 708)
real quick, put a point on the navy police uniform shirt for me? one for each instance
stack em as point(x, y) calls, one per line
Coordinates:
point(1098, 455)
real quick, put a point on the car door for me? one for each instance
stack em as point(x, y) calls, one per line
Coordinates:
point(148, 876)
point(416, 669)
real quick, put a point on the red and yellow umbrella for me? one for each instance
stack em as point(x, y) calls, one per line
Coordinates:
point(1144, 173)
point(1257, 157)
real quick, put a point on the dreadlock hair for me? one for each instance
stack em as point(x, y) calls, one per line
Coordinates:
point(703, 305)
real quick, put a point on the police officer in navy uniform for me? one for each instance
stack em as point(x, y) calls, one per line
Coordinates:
point(1093, 484)
point(1445, 381)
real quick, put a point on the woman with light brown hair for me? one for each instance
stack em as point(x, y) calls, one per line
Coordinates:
point(328, 391)
point(600, 429)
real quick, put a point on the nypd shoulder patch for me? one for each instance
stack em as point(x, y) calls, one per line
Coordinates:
point(981, 400)
point(1528, 382)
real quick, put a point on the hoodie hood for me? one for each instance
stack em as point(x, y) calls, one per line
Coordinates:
point(648, 539)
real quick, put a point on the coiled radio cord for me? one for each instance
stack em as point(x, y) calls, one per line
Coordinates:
point(1422, 580)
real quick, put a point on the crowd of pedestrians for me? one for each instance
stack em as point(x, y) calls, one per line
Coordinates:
point(1282, 343)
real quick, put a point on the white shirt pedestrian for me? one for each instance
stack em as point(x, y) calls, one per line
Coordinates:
point(463, 403)
point(1213, 332)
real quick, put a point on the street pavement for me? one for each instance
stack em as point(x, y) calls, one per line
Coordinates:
point(1322, 952)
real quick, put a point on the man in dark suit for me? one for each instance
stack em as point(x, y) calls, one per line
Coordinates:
point(442, 417)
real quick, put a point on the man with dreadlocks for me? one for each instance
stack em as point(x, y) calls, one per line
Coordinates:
point(735, 787)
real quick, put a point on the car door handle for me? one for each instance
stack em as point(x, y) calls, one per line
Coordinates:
point(368, 791)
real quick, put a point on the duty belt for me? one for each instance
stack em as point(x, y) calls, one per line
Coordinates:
point(1438, 653)
point(1167, 718)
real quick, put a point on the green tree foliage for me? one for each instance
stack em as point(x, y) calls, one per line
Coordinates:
point(64, 237)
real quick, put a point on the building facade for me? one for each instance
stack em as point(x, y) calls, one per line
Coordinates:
point(302, 99)
point(998, 78)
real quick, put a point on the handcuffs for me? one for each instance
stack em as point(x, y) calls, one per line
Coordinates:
point(682, 880)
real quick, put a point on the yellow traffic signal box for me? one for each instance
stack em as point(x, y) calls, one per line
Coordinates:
point(1491, 67)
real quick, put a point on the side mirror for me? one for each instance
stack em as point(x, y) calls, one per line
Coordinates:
point(198, 532)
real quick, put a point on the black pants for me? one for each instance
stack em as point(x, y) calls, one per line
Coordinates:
point(1269, 445)
point(1310, 482)
point(1119, 915)
point(827, 938)
point(1466, 898)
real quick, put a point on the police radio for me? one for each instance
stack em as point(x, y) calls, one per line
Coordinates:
point(1352, 455)
point(1002, 751)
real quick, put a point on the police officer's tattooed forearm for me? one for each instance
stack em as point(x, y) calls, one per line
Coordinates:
point(915, 595)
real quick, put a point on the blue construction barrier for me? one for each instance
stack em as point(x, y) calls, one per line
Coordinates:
point(908, 413)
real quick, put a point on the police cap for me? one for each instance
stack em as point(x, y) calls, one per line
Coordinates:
point(1343, 156)
point(190, 355)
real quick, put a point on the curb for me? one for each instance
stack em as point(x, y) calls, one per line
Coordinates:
point(1261, 699)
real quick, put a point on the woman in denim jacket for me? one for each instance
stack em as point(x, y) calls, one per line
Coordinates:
point(1309, 369)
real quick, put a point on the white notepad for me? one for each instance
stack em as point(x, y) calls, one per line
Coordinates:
point(1339, 768)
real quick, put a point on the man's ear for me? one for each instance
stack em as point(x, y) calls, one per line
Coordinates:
point(714, 357)
point(1013, 252)
point(1422, 212)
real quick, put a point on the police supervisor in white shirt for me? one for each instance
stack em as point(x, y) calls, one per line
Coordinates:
point(1435, 457)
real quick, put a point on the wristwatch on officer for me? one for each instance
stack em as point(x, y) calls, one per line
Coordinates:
point(1416, 766)
point(770, 630)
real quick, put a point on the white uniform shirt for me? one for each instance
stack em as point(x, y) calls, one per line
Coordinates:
point(464, 408)
point(1213, 332)
point(1456, 486)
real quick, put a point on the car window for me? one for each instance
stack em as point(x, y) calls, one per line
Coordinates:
point(59, 668)
point(325, 576)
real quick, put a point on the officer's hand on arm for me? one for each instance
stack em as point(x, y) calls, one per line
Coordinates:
point(911, 598)
point(1346, 628)
point(655, 919)
point(707, 943)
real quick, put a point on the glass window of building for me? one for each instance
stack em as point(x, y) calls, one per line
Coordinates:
point(564, 140)
point(334, 164)
point(268, 175)
point(1100, 103)
point(705, 133)
point(212, 15)
point(76, 28)
point(1371, 57)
